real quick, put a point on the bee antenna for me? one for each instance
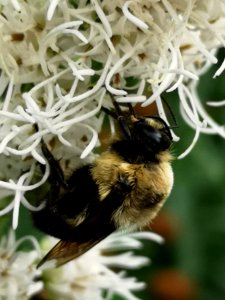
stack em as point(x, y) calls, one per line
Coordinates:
point(171, 113)
point(109, 112)
point(120, 117)
point(116, 105)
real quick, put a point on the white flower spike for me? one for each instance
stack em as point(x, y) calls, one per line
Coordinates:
point(18, 274)
point(86, 277)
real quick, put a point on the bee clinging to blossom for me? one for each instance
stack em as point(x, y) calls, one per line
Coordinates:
point(123, 188)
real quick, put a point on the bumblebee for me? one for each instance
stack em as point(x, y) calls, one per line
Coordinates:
point(123, 188)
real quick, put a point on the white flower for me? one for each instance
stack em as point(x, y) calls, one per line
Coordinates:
point(18, 273)
point(92, 274)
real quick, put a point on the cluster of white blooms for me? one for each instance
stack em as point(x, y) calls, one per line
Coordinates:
point(88, 277)
point(61, 59)
point(19, 278)
point(92, 277)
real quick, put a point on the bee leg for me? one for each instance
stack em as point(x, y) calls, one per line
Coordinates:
point(121, 121)
point(131, 110)
point(109, 112)
point(118, 115)
point(124, 127)
point(56, 177)
point(117, 107)
point(48, 218)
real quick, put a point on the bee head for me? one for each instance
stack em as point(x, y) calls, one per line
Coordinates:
point(151, 132)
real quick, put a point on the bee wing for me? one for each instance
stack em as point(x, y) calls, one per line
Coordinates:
point(65, 251)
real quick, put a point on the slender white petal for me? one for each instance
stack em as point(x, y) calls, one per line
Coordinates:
point(51, 8)
point(139, 23)
point(216, 103)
